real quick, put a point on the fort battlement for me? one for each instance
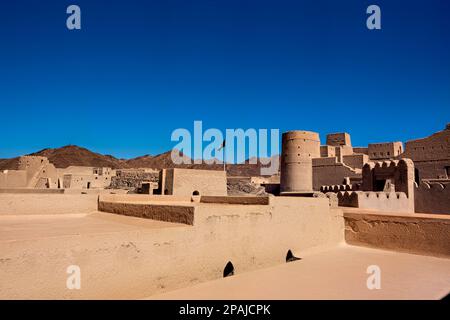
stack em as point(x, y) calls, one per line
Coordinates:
point(399, 173)
point(383, 201)
point(433, 197)
point(386, 186)
point(340, 187)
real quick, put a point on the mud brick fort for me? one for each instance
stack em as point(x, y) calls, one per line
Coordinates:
point(332, 211)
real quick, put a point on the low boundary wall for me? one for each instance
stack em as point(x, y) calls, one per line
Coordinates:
point(135, 263)
point(32, 190)
point(161, 212)
point(43, 204)
point(426, 234)
point(432, 197)
point(235, 200)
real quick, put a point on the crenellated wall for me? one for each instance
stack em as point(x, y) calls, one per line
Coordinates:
point(432, 198)
point(399, 172)
point(340, 187)
point(386, 186)
point(424, 234)
point(381, 201)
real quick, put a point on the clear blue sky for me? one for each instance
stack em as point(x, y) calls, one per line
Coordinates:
point(140, 69)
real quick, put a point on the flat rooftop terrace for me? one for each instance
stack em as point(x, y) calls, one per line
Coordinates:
point(338, 273)
point(134, 257)
point(29, 227)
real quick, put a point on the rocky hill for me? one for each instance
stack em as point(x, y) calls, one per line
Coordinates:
point(9, 164)
point(72, 155)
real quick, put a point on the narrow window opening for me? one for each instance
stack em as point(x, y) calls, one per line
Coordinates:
point(416, 176)
point(290, 257)
point(228, 270)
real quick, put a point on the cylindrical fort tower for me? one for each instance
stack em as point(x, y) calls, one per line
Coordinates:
point(298, 150)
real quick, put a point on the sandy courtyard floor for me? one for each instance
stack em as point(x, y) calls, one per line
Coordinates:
point(340, 273)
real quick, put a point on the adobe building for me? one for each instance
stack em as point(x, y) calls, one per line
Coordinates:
point(387, 186)
point(385, 150)
point(298, 150)
point(133, 246)
point(329, 171)
point(78, 177)
point(139, 245)
point(134, 179)
point(36, 172)
point(335, 163)
point(431, 155)
point(338, 139)
point(33, 172)
point(188, 182)
point(338, 162)
point(341, 143)
point(147, 187)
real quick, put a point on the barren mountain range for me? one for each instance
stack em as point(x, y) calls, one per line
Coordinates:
point(72, 155)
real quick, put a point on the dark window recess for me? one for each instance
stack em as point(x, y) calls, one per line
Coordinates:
point(416, 176)
point(379, 185)
point(228, 270)
point(290, 257)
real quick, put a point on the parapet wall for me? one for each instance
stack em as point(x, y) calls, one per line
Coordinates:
point(381, 201)
point(32, 191)
point(143, 198)
point(425, 234)
point(149, 260)
point(244, 200)
point(161, 212)
point(13, 179)
point(432, 198)
point(45, 204)
point(339, 187)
